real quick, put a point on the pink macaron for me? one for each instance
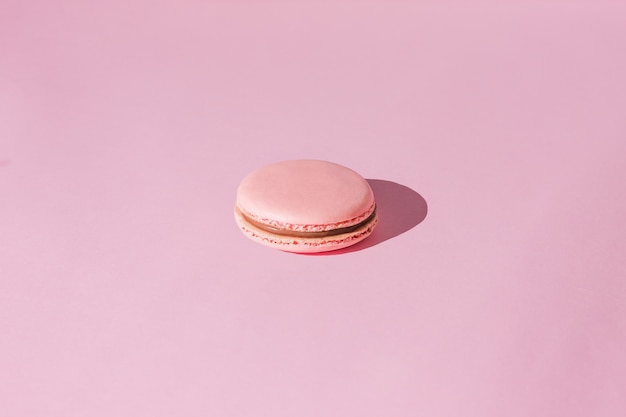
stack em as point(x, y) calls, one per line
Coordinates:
point(305, 206)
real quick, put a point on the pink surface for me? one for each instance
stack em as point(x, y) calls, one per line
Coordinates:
point(492, 133)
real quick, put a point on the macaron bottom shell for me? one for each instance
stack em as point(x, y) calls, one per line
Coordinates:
point(304, 244)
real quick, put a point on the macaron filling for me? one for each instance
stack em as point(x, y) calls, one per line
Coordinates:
point(295, 233)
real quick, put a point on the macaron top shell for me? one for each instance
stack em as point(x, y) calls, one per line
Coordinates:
point(305, 195)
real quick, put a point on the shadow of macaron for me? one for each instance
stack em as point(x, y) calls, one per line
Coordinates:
point(399, 210)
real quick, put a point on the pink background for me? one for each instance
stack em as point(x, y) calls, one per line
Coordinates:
point(494, 286)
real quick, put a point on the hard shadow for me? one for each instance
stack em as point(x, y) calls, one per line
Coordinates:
point(399, 210)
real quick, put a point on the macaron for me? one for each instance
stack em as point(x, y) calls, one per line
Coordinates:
point(305, 206)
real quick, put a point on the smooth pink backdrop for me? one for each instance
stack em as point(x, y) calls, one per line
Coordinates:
point(494, 135)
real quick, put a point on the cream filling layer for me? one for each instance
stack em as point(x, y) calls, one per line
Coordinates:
point(294, 233)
